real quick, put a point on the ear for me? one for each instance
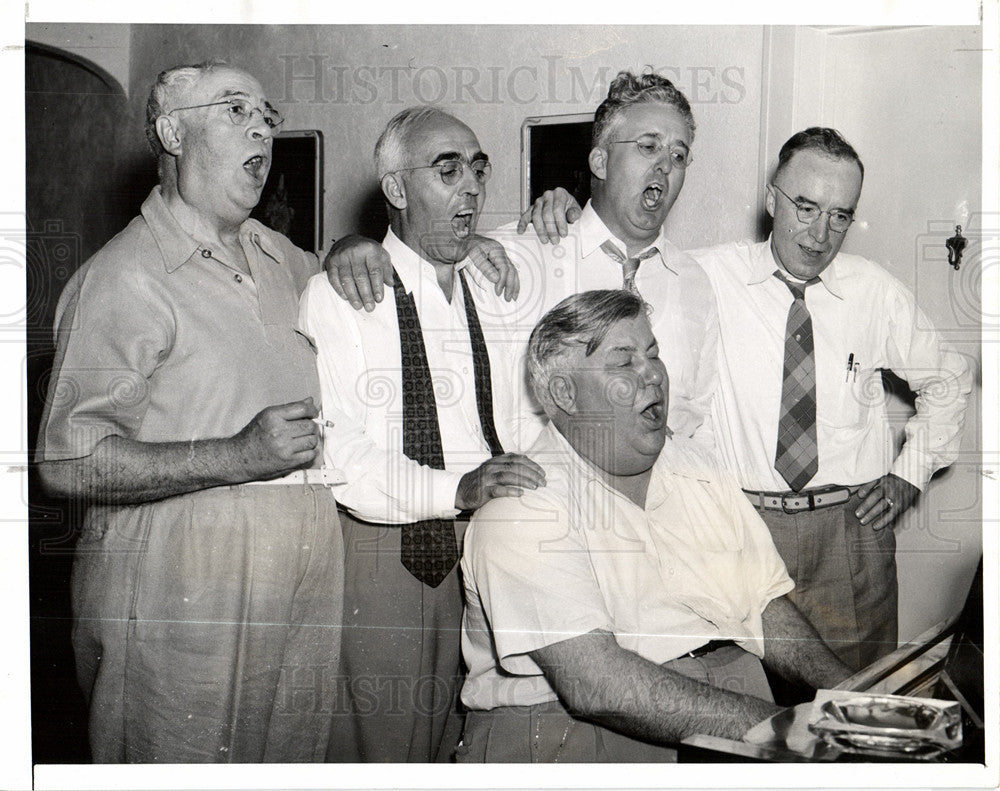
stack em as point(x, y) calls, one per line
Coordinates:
point(769, 200)
point(169, 133)
point(394, 190)
point(562, 391)
point(598, 161)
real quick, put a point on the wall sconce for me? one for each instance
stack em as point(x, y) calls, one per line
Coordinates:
point(956, 244)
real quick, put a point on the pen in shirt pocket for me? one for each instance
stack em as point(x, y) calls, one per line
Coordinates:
point(852, 368)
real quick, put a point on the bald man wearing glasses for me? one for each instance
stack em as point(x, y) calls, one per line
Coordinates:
point(423, 409)
point(204, 604)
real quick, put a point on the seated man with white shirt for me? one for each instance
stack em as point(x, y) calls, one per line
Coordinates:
point(627, 604)
point(422, 410)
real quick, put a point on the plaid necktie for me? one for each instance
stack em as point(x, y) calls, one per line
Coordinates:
point(629, 265)
point(796, 456)
point(428, 549)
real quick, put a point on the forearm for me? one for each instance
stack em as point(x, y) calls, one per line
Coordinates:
point(600, 681)
point(942, 379)
point(794, 649)
point(125, 471)
point(386, 485)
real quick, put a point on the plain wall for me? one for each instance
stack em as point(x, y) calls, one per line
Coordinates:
point(348, 81)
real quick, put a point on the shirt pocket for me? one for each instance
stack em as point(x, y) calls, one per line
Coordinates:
point(846, 399)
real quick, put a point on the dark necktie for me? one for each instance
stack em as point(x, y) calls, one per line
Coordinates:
point(796, 456)
point(428, 549)
point(629, 265)
point(481, 372)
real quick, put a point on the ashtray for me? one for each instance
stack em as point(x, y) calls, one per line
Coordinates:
point(889, 726)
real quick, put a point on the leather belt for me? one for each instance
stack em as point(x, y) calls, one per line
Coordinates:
point(324, 476)
point(807, 500)
point(709, 647)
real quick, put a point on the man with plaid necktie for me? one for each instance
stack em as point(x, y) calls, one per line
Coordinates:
point(799, 415)
point(808, 332)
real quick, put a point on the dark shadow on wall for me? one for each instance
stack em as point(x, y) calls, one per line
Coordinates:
point(371, 219)
point(81, 190)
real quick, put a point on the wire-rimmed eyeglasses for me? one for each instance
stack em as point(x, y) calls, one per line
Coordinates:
point(241, 111)
point(808, 213)
point(650, 147)
point(452, 170)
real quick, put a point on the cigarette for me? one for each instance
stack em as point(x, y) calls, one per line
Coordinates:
point(322, 423)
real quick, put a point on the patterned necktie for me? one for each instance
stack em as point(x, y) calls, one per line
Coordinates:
point(629, 265)
point(428, 549)
point(796, 456)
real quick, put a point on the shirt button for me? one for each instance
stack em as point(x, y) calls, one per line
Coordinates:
point(238, 278)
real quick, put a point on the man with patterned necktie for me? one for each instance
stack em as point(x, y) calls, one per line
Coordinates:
point(641, 148)
point(422, 411)
point(799, 415)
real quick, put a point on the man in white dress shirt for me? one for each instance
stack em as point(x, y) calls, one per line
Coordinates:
point(627, 604)
point(422, 411)
point(805, 430)
point(642, 137)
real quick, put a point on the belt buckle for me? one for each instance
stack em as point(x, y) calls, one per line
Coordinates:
point(810, 503)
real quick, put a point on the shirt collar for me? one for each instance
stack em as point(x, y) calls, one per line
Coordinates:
point(584, 477)
point(410, 265)
point(177, 246)
point(593, 233)
point(763, 265)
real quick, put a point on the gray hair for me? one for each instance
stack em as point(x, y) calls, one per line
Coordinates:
point(391, 148)
point(582, 320)
point(164, 92)
point(628, 89)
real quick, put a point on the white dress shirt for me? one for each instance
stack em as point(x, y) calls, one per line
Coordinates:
point(859, 313)
point(695, 564)
point(360, 374)
point(684, 317)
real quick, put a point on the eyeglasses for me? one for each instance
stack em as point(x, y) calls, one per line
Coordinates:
point(241, 111)
point(452, 170)
point(808, 213)
point(650, 147)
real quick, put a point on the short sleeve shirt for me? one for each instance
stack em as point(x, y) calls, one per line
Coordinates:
point(157, 342)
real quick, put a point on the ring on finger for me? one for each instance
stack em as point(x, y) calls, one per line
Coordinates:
point(891, 503)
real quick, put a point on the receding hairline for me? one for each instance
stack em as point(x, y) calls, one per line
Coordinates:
point(822, 154)
point(395, 143)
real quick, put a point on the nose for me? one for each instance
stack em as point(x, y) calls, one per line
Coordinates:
point(663, 162)
point(257, 127)
point(469, 183)
point(654, 372)
point(820, 227)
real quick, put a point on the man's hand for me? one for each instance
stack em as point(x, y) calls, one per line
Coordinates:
point(357, 268)
point(502, 476)
point(279, 439)
point(551, 215)
point(489, 257)
point(883, 500)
